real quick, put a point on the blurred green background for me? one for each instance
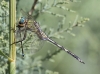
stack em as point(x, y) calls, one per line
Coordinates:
point(85, 43)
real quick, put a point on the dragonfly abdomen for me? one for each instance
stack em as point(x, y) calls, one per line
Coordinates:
point(69, 52)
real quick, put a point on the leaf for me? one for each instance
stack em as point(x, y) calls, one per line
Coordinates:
point(52, 60)
point(3, 54)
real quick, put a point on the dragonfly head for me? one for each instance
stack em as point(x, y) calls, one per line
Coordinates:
point(22, 20)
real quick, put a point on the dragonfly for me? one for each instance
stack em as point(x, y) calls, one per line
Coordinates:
point(35, 27)
point(24, 25)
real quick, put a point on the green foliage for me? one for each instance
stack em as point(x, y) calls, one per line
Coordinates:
point(52, 13)
point(4, 36)
point(42, 10)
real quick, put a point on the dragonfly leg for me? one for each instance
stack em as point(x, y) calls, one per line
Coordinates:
point(21, 46)
point(13, 30)
point(22, 49)
point(24, 37)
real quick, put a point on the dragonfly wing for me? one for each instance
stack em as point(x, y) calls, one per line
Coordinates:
point(26, 14)
point(36, 44)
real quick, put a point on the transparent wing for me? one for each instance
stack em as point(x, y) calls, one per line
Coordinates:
point(32, 44)
point(26, 15)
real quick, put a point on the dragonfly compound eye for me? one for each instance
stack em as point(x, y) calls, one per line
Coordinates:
point(22, 20)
